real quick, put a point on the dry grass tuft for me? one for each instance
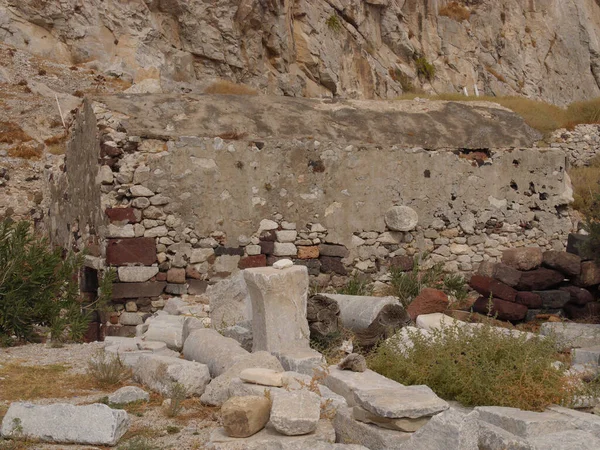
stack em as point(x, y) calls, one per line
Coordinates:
point(26, 151)
point(11, 132)
point(586, 186)
point(233, 135)
point(455, 11)
point(19, 382)
point(228, 88)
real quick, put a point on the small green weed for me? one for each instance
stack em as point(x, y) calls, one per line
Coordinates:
point(424, 68)
point(355, 286)
point(107, 369)
point(333, 23)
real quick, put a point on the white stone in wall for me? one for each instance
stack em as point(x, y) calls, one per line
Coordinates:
point(267, 225)
point(401, 218)
point(105, 175)
point(253, 250)
point(285, 249)
point(286, 235)
point(227, 263)
point(116, 231)
point(200, 255)
point(136, 274)
point(140, 191)
point(156, 232)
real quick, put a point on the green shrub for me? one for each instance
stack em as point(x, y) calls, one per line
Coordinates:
point(37, 286)
point(478, 366)
point(177, 395)
point(424, 68)
point(407, 285)
point(333, 23)
point(107, 369)
point(355, 286)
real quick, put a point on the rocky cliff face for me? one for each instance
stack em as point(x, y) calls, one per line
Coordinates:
point(544, 49)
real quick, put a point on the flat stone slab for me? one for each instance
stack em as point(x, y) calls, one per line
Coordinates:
point(400, 402)
point(586, 356)
point(265, 377)
point(269, 438)
point(566, 440)
point(492, 437)
point(350, 431)
point(62, 423)
point(304, 360)
point(583, 421)
point(345, 383)
point(525, 424)
point(573, 334)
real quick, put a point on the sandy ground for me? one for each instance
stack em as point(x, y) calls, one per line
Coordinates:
point(149, 423)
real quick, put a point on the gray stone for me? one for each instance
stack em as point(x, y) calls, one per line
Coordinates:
point(284, 249)
point(128, 394)
point(129, 350)
point(573, 334)
point(553, 299)
point(130, 318)
point(566, 440)
point(230, 302)
point(525, 424)
point(583, 421)
point(160, 373)
point(346, 383)
point(492, 437)
point(296, 413)
point(140, 191)
point(191, 324)
point(304, 361)
point(406, 425)
point(244, 416)
point(451, 429)
point(400, 402)
point(166, 328)
point(278, 308)
point(241, 334)
point(136, 274)
point(350, 431)
point(173, 305)
point(218, 390)
point(358, 312)
point(208, 347)
point(586, 355)
point(269, 439)
point(401, 218)
point(62, 423)
point(265, 377)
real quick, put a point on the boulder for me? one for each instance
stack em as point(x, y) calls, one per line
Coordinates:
point(452, 429)
point(579, 296)
point(492, 437)
point(296, 413)
point(428, 301)
point(506, 274)
point(217, 392)
point(501, 309)
point(351, 431)
point(487, 286)
point(540, 280)
point(566, 263)
point(208, 347)
point(166, 328)
point(567, 440)
point(590, 274)
point(278, 307)
point(62, 423)
point(244, 416)
point(160, 373)
point(525, 424)
point(229, 302)
point(269, 438)
point(553, 299)
point(523, 258)
point(529, 299)
point(401, 218)
point(128, 394)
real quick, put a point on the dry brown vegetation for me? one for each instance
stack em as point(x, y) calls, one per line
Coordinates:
point(229, 88)
point(10, 132)
point(20, 382)
point(586, 185)
point(455, 11)
point(26, 151)
point(542, 116)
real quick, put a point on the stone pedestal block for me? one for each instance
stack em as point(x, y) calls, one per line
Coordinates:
point(278, 307)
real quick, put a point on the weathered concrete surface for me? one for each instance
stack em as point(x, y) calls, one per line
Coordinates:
point(349, 142)
point(62, 423)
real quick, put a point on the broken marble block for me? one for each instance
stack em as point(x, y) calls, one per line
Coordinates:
point(296, 413)
point(208, 347)
point(265, 377)
point(278, 308)
point(161, 373)
point(229, 302)
point(166, 328)
point(244, 416)
point(129, 350)
point(350, 431)
point(405, 424)
point(62, 423)
point(302, 360)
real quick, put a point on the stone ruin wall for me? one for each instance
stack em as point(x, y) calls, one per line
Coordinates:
point(176, 212)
